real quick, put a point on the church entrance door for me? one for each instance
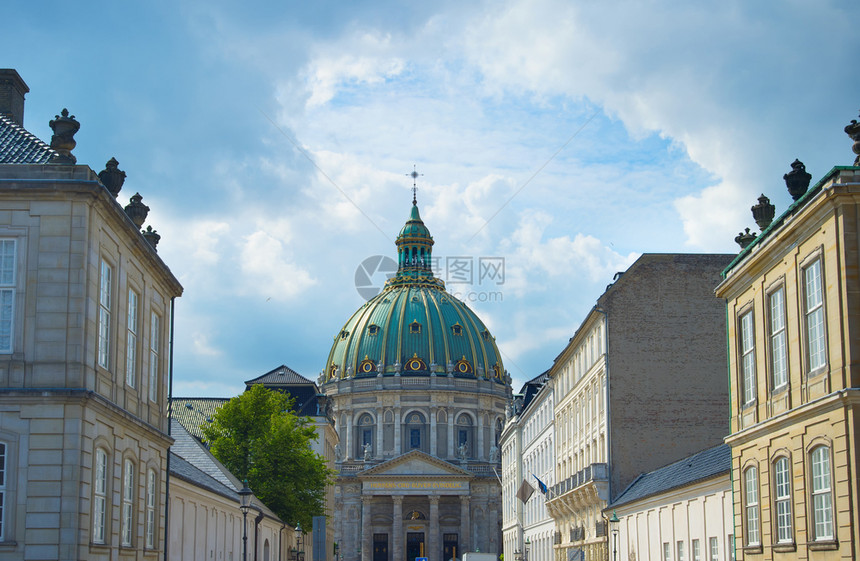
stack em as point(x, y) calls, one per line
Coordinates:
point(380, 547)
point(449, 545)
point(414, 545)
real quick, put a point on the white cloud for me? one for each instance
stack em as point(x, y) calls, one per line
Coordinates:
point(267, 269)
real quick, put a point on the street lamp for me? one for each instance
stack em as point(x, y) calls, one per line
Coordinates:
point(245, 506)
point(613, 522)
point(300, 553)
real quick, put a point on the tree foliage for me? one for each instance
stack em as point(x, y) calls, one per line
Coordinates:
point(257, 437)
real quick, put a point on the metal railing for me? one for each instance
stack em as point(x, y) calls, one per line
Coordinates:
point(594, 472)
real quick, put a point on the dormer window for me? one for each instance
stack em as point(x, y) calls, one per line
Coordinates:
point(486, 335)
point(344, 334)
point(372, 329)
point(415, 327)
point(457, 329)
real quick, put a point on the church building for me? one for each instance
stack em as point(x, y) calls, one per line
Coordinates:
point(418, 392)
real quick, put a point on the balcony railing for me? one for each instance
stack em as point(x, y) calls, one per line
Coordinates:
point(594, 472)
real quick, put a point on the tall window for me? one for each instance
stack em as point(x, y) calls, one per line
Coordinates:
point(127, 502)
point(814, 316)
point(751, 500)
point(730, 547)
point(154, 332)
point(667, 551)
point(104, 313)
point(782, 499)
point(778, 359)
point(150, 509)
point(7, 293)
point(2, 486)
point(822, 495)
point(747, 340)
point(697, 550)
point(131, 340)
point(99, 496)
point(714, 544)
point(679, 551)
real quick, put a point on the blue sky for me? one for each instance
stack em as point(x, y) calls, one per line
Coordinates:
point(272, 143)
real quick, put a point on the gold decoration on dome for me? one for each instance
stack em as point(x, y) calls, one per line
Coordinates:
point(366, 366)
point(457, 329)
point(463, 366)
point(497, 371)
point(415, 364)
point(415, 327)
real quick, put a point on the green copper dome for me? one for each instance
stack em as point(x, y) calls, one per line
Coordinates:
point(414, 327)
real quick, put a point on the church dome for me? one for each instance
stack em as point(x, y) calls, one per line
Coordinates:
point(414, 327)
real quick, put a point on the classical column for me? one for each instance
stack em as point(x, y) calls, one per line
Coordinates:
point(349, 443)
point(380, 415)
point(365, 529)
point(433, 552)
point(397, 552)
point(433, 451)
point(398, 443)
point(494, 523)
point(465, 524)
point(479, 453)
point(451, 443)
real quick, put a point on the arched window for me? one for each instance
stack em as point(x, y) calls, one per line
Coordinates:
point(99, 495)
point(266, 550)
point(751, 506)
point(366, 429)
point(415, 434)
point(465, 436)
point(822, 494)
point(150, 509)
point(782, 499)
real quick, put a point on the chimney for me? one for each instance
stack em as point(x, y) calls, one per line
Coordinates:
point(12, 91)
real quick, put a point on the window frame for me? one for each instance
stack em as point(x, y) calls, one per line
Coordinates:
point(154, 354)
point(150, 530)
point(132, 331)
point(777, 339)
point(818, 309)
point(784, 533)
point(752, 507)
point(8, 292)
point(815, 493)
point(747, 369)
point(696, 550)
point(714, 547)
point(127, 504)
point(105, 307)
point(100, 494)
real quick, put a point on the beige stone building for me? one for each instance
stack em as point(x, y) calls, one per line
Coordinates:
point(640, 384)
point(793, 298)
point(85, 314)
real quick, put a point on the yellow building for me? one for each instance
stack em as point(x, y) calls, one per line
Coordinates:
point(793, 309)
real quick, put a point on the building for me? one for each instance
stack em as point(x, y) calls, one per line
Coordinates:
point(793, 307)
point(640, 384)
point(86, 306)
point(194, 412)
point(528, 454)
point(418, 391)
point(678, 512)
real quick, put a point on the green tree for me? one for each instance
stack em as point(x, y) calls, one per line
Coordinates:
point(257, 437)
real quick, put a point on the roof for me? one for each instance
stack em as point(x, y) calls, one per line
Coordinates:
point(698, 467)
point(281, 375)
point(193, 412)
point(18, 146)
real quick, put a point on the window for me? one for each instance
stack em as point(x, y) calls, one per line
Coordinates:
point(778, 359)
point(751, 500)
point(2, 486)
point(154, 331)
point(99, 496)
point(715, 549)
point(127, 502)
point(697, 551)
point(131, 340)
point(150, 509)
point(7, 293)
point(679, 551)
point(730, 547)
point(814, 317)
point(782, 499)
point(667, 551)
point(822, 496)
point(104, 314)
point(415, 438)
point(747, 341)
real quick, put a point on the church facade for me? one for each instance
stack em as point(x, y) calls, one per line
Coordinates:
point(418, 392)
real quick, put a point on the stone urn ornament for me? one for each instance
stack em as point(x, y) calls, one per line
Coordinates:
point(63, 140)
point(151, 236)
point(853, 130)
point(745, 238)
point(797, 180)
point(136, 210)
point(763, 212)
point(112, 177)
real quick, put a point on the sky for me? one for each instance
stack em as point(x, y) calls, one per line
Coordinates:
point(557, 142)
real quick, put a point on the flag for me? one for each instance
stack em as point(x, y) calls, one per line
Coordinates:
point(525, 491)
point(541, 485)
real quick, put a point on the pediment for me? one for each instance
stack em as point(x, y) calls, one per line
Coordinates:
point(415, 463)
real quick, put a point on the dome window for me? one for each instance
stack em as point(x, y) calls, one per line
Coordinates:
point(457, 329)
point(415, 327)
point(497, 371)
point(486, 335)
point(415, 299)
point(415, 364)
point(367, 366)
point(372, 329)
point(344, 334)
point(463, 366)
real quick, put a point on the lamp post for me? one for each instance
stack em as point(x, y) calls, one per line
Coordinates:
point(300, 552)
point(244, 506)
point(613, 522)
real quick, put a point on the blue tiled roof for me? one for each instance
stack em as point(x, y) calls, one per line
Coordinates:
point(17, 146)
point(698, 467)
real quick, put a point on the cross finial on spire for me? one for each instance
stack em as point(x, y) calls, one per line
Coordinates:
point(414, 175)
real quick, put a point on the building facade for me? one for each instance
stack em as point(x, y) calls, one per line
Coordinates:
point(86, 306)
point(528, 461)
point(639, 385)
point(793, 301)
point(418, 391)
